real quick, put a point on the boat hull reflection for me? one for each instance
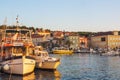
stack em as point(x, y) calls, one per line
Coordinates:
point(47, 74)
point(36, 75)
point(30, 76)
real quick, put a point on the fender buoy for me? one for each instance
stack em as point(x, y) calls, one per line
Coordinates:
point(6, 67)
point(40, 64)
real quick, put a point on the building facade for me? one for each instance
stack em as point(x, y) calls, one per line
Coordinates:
point(75, 42)
point(111, 40)
point(37, 39)
point(83, 42)
point(99, 41)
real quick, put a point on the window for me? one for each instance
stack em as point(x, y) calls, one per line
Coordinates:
point(103, 39)
point(119, 33)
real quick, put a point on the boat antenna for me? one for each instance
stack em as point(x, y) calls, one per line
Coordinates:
point(17, 23)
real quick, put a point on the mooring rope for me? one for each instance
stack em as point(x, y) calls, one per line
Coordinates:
point(11, 69)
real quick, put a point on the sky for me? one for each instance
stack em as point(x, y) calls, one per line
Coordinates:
point(65, 15)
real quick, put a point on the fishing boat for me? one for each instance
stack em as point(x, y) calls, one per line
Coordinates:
point(43, 60)
point(62, 51)
point(15, 57)
point(16, 46)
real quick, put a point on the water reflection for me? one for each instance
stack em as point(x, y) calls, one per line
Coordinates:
point(47, 75)
point(89, 67)
point(4, 76)
point(36, 75)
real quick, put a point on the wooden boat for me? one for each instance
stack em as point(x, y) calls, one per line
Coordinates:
point(43, 60)
point(15, 49)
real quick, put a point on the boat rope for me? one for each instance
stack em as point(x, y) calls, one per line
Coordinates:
point(11, 70)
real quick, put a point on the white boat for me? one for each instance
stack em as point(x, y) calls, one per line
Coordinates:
point(82, 51)
point(110, 53)
point(43, 60)
point(15, 49)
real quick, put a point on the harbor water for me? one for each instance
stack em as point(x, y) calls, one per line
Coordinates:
point(76, 67)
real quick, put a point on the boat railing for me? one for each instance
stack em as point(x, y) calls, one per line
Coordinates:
point(10, 41)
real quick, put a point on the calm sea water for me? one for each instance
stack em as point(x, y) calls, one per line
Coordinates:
point(76, 67)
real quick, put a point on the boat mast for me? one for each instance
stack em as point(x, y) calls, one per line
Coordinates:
point(18, 28)
point(4, 28)
point(3, 37)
